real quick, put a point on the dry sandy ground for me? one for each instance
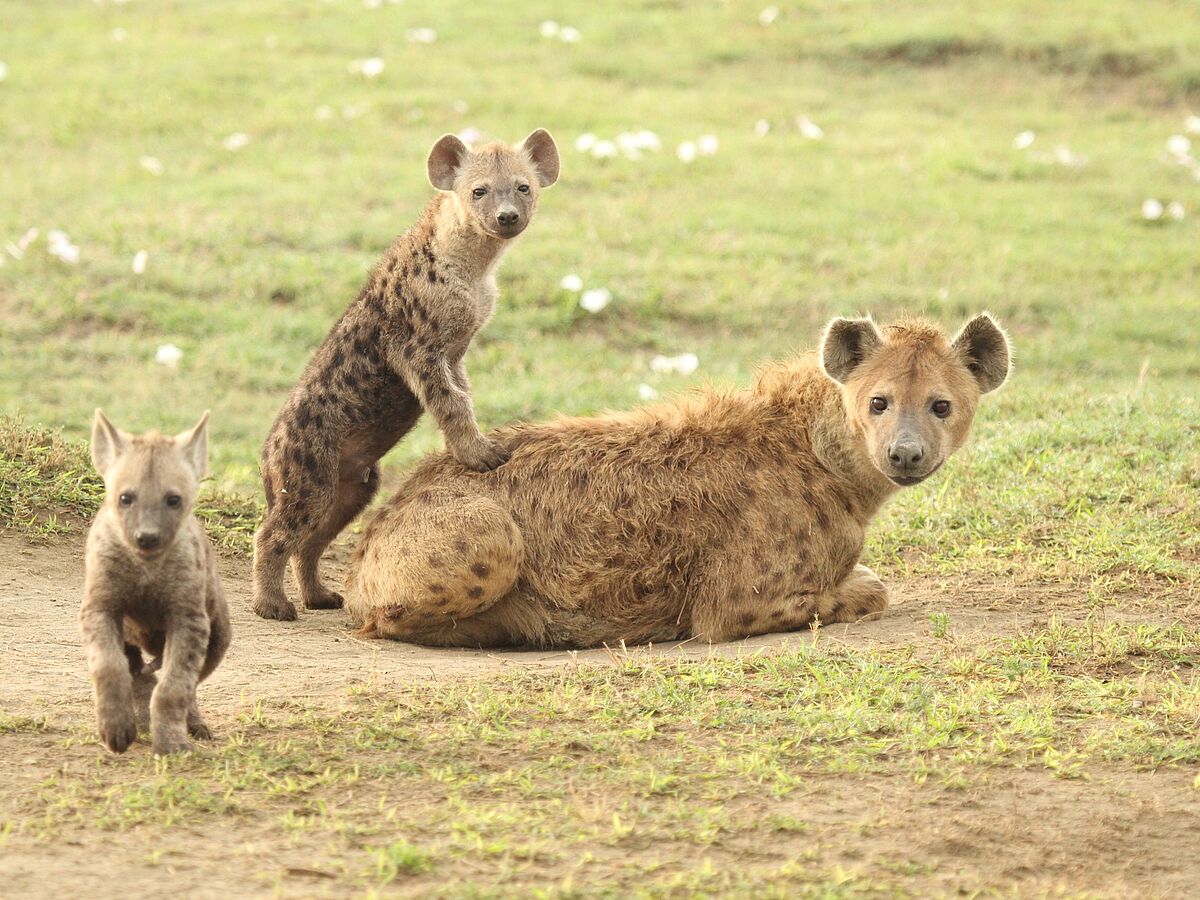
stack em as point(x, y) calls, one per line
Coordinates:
point(1118, 833)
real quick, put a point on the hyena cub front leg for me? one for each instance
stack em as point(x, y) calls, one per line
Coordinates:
point(111, 679)
point(442, 387)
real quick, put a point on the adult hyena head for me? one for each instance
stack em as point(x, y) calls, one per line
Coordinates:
point(910, 391)
point(496, 186)
point(150, 481)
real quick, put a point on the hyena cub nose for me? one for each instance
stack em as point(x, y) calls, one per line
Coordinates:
point(151, 587)
point(905, 453)
point(508, 216)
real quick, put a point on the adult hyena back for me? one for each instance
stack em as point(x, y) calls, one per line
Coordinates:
point(396, 351)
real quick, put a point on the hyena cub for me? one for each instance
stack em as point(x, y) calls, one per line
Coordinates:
point(151, 586)
point(398, 349)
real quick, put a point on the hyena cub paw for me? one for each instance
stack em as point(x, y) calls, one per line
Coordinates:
point(324, 599)
point(482, 455)
point(164, 746)
point(281, 609)
point(198, 728)
point(118, 730)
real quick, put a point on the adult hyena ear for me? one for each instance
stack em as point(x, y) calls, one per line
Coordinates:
point(445, 159)
point(108, 442)
point(984, 348)
point(846, 345)
point(543, 153)
point(193, 445)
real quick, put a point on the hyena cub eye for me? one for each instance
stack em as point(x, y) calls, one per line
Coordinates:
point(173, 500)
point(523, 188)
point(941, 408)
point(479, 192)
point(126, 499)
point(878, 405)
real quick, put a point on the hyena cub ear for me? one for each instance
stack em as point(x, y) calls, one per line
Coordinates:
point(543, 154)
point(984, 347)
point(448, 155)
point(193, 446)
point(846, 345)
point(108, 442)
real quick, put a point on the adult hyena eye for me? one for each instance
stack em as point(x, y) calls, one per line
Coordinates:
point(941, 408)
point(479, 192)
point(173, 500)
point(878, 405)
point(523, 188)
point(126, 499)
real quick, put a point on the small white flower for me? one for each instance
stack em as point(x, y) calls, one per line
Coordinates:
point(645, 392)
point(1065, 157)
point(151, 164)
point(647, 140)
point(708, 145)
point(59, 245)
point(31, 235)
point(370, 67)
point(571, 282)
point(1176, 211)
point(117, 35)
point(1024, 140)
point(353, 112)
point(548, 29)
point(684, 364)
point(1178, 145)
point(420, 36)
point(569, 35)
point(604, 150)
point(585, 142)
point(595, 299)
point(809, 128)
point(1152, 210)
point(762, 128)
point(236, 141)
point(686, 151)
point(1192, 124)
point(470, 135)
point(3, 70)
point(768, 16)
point(13, 250)
point(168, 355)
point(459, 106)
point(324, 113)
point(943, 294)
point(139, 262)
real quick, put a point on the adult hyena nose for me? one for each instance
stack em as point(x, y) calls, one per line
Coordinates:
point(147, 540)
point(508, 216)
point(905, 453)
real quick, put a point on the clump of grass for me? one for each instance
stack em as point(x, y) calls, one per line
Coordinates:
point(48, 487)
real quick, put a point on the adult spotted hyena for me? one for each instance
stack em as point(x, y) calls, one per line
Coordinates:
point(717, 516)
point(397, 350)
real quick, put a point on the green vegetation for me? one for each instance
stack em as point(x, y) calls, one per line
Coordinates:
point(534, 776)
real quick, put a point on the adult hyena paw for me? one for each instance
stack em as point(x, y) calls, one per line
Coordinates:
point(483, 455)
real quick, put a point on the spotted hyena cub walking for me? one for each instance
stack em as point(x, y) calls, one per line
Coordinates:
point(152, 587)
point(397, 350)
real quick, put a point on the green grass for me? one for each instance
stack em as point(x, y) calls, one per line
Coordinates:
point(529, 776)
point(915, 202)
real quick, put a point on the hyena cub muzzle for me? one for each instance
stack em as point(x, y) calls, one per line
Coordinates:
point(151, 587)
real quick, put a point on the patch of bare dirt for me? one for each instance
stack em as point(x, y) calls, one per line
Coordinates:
point(1118, 833)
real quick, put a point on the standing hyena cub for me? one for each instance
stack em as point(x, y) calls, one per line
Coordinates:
point(397, 350)
point(151, 586)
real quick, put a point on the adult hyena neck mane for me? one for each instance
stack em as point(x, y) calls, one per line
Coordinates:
point(809, 404)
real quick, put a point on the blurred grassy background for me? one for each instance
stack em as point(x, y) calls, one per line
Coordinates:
point(914, 201)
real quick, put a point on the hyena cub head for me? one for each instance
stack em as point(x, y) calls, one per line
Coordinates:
point(150, 481)
point(909, 391)
point(496, 186)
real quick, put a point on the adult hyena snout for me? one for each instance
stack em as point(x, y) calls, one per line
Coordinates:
point(906, 453)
